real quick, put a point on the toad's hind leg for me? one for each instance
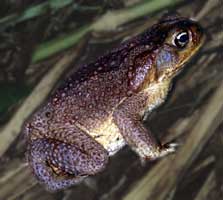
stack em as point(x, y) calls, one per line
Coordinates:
point(59, 164)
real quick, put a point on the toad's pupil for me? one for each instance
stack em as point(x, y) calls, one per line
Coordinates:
point(182, 39)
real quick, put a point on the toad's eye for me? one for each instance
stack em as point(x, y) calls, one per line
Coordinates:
point(181, 39)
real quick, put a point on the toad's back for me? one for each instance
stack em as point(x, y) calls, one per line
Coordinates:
point(87, 100)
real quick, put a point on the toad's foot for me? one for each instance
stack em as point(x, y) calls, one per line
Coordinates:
point(160, 152)
point(167, 149)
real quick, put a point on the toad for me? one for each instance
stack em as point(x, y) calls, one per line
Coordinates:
point(99, 108)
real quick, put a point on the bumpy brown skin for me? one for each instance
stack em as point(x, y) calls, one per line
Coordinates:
point(100, 108)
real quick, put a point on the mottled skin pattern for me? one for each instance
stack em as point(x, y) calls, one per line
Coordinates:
point(100, 107)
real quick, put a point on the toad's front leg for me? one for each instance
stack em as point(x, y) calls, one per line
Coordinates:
point(128, 119)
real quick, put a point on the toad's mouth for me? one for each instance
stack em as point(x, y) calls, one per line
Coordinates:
point(171, 74)
point(178, 71)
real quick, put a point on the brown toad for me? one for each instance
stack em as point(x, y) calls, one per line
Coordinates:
point(99, 109)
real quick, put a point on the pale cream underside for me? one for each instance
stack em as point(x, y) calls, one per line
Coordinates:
point(108, 134)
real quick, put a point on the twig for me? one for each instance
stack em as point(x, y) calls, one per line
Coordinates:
point(206, 8)
point(207, 187)
point(111, 20)
point(16, 182)
point(33, 11)
point(49, 48)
